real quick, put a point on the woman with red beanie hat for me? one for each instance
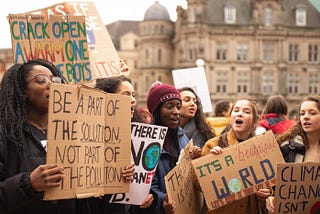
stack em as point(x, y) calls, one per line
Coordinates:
point(164, 103)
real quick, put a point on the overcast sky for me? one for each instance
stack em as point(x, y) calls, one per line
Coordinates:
point(109, 11)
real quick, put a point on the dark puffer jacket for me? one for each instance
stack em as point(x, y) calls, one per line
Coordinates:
point(17, 161)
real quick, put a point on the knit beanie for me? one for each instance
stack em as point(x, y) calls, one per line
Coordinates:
point(159, 94)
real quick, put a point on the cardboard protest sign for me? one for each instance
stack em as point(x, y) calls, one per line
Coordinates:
point(146, 144)
point(194, 78)
point(61, 40)
point(239, 171)
point(297, 188)
point(180, 187)
point(103, 55)
point(89, 135)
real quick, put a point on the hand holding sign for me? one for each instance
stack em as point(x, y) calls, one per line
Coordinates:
point(128, 173)
point(169, 207)
point(45, 177)
point(195, 152)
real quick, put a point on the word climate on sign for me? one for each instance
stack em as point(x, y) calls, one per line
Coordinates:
point(89, 135)
point(298, 188)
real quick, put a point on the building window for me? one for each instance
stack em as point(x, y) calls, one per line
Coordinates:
point(239, 89)
point(147, 82)
point(268, 16)
point(159, 55)
point(314, 83)
point(230, 13)
point(221, 51)
point(242, 79)
point(268, 52)
point(161, 29)
point(267, 83)
point(222, 80)
point(293, 80)
point(313, 53)
point(147, 53)
point(293, 52)
point(242, 52)
point(242, 89)
point(193, 54)
point(218, 88)
point(301, 16)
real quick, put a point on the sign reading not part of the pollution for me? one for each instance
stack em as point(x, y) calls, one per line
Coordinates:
point(297, 188)
point(239, 171)
point(89, 135)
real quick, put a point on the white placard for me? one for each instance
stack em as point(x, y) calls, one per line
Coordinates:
point(194, 78)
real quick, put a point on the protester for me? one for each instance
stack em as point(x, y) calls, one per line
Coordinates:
point(122, 85)
point(164, 103)
point(274, 115)
point(301, 144)
point(118, 85)
point(243, 120)
point(192, 119)
point(222, 116)
point(24, 174)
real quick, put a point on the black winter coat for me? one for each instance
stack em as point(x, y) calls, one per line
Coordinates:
point(17, 161)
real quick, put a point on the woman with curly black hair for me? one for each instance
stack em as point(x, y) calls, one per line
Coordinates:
point(24, 174)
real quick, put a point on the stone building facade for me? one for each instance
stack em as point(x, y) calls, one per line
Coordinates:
point(251, 48)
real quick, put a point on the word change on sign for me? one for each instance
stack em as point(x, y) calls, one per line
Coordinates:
point(298, 188)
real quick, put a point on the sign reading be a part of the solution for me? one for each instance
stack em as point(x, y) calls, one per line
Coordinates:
point(89, 135)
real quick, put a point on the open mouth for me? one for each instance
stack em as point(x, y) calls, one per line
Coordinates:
point(175, 120)
point(238, 121)
point(306, 124)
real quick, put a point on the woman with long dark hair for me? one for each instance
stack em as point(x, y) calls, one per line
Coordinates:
point(24, 174)
point(193, 121)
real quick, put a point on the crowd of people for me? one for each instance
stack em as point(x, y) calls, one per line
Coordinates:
point(24, 174)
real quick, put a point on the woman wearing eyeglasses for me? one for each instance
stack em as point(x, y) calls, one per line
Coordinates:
point(24, 176)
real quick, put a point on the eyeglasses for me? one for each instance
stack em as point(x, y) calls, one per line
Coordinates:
point(42, 79)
